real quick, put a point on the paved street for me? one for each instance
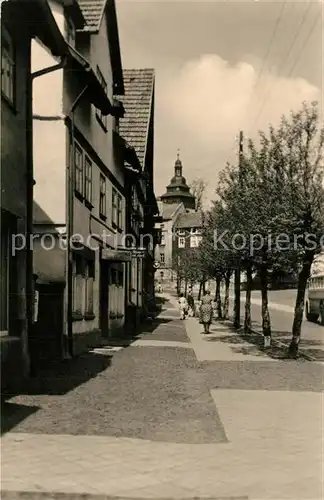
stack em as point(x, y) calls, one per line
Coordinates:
point(176, 414)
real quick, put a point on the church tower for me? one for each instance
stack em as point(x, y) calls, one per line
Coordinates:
point(178, 191)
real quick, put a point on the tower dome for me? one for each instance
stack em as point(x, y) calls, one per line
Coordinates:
point(178, 191)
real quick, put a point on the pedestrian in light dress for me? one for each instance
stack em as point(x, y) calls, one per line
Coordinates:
point(206, 311)
point(183, 306)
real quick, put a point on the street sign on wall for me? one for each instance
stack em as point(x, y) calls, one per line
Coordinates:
point(116, 255)
point(138, 253)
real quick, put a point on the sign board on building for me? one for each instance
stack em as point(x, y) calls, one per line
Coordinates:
point(116, 255)
point(138, 254)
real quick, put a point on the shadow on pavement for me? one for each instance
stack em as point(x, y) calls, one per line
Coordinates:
point(149, 327)
point(12, 414)
point(252, 345)
point(65, 376)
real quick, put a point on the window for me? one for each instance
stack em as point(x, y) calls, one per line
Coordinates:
point(195, 241)
point(7, 66)
point(120, 278)
point(78, 275)
point(102, 201)
point(114, 207)
point(78, 163)
point(181, 242)
point(113, 276)
point(162, 258)
point(4, 278)
point(193, 230)
point(102, 118)
point(134, 199)
point(117, 209)
point(181, 232)
point(162, 239)
point(88, 179)
point(117, 125)
point(89, 279)
point(70, 32)
point(162, 226)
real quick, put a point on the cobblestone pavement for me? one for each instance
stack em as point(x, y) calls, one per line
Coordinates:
point(184, 415)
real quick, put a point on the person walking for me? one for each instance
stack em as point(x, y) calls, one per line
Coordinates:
point(183, 306)
point(206, 311)
point(191, 304)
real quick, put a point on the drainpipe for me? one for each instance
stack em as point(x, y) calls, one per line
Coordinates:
point(30, 191)
point(70, 193)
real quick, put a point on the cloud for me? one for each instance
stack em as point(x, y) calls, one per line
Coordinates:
point(202, 105)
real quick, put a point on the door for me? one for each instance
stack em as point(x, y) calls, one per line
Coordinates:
point(104, 297)
point(46, 339)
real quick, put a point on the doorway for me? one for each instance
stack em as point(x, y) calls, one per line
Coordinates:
point(104, 298)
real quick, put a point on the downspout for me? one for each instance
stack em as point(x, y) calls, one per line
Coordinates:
point(30, 192)
point(69, 236)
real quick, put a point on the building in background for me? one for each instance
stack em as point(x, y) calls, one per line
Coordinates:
point(20, 23)
point(164, 251)
point(79, 173)
point(178, 191)
point(177, 200)
point(188, 233)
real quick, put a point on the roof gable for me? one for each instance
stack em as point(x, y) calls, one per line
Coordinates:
point(93, 12)
point(189, 220)
point(168, 211)
point(137, 102)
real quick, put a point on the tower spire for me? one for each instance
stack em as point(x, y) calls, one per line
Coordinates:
point(178, 165)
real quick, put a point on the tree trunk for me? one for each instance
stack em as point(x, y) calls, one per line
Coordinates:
point(218, 298)
point(247, 319)
point(299, 305)
point(226, 298)
point(266, 324)
point(237, 298)
point(178, 285)
point(200, 290)
point(186, 286)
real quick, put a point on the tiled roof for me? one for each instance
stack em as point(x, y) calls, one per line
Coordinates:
point(39, 216)
point(92, 11)
point(139, 85)
point(168, 210)
point(189, 219)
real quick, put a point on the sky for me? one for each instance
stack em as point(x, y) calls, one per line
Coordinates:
point(220, 67)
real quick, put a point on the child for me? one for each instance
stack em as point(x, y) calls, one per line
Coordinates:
point(183, 306)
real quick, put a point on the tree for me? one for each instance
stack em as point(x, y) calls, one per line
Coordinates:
point(198, 189)
point(300, 145)
point(216, 261)
point(186, 264)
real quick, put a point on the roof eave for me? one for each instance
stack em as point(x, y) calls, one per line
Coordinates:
point(113, 36)
point(96, 92)
point(76, 14)
point(38, 17)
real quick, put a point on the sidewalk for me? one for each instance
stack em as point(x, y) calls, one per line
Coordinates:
point(176, 415)
point(312, 338)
